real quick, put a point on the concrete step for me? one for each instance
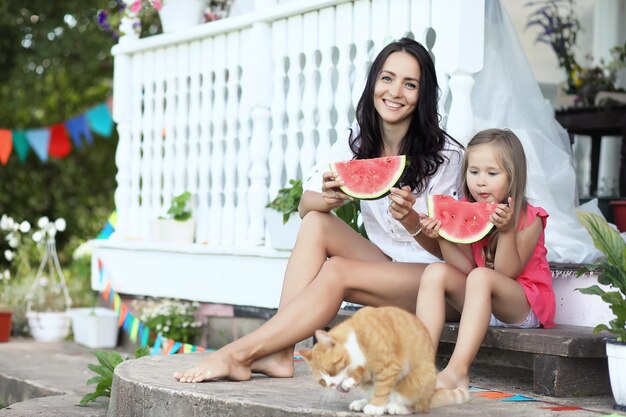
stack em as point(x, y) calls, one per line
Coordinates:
point(145, 387)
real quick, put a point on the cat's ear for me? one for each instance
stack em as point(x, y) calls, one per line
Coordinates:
point(324, 338)
point(307, 354)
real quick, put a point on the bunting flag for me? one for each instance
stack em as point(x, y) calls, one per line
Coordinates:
point(136, 330)
point(39, 141)
point(100, 120)
point(20, 144)
point(60, 145)
point(6, 144)
point(54, 141)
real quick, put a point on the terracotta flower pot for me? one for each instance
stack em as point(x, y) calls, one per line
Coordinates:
point(619, 214)
point(5, 326)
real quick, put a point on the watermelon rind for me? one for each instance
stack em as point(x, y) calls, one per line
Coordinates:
point(478, 234)
point(383, 189)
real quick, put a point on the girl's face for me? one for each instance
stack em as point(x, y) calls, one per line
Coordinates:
point(486, 178)
point(397, 89)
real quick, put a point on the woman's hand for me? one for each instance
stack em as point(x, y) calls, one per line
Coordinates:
point(504, 216)
point(331, 193)
point(402, 201)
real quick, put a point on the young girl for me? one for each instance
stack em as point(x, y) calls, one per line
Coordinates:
point(502, 280)
point(397, 114)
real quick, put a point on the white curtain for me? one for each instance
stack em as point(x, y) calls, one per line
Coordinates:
point(507, 96)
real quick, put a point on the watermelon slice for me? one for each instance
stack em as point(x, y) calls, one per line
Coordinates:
point(461, 221)
point(369, 179)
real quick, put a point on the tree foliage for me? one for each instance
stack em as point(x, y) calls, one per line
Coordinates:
point(55, 64)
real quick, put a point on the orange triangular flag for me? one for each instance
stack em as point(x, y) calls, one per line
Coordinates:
point(6, 145)
point(60, 145)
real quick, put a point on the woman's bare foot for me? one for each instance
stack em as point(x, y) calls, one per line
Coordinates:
point(450, 378)
point(276, 365)
point(217, 365)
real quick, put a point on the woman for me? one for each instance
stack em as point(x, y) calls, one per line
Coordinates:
point(330, 262)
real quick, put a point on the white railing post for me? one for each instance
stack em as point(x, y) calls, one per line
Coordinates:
point(260, 140)
point(459, 50)
point(122, 83)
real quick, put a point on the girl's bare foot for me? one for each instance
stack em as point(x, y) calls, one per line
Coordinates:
point(451, 378)
point(217, 365)
point(276, 365)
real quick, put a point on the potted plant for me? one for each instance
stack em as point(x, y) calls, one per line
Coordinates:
point(283, 225)
point(612, 273)
point(177, 225)
point(6, 315)
point(171, 318)
point(92, 326)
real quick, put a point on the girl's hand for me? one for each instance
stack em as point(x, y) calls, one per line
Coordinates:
point(402, 201)
point(504, 216)
point(332, 194)
point(430, 226)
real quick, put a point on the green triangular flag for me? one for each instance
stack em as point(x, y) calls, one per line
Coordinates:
point(20, 144)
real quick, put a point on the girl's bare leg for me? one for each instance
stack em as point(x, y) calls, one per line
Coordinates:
point(485, 289)
point(441, 295)
point(316, 289)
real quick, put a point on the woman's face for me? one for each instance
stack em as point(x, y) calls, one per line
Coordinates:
point(397, 89)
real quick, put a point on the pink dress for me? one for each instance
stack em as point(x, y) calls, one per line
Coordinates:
point(536, 278)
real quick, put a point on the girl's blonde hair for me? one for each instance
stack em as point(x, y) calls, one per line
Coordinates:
point(510, 155)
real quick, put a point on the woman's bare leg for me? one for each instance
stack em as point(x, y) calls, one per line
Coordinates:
point(321, 235)
point(296, 321)
point(485, 289)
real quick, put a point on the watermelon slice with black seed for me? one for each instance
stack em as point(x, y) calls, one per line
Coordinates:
point(461, 221)
point(369, 179)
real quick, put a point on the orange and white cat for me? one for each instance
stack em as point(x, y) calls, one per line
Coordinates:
point(388, 353)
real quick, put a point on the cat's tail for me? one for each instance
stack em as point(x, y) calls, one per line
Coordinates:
point(445, 396)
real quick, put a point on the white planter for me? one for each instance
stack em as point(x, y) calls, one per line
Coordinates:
point(95, 327)
point(616, 354)
point(173, 231)
point(49, 326)
point(281, 236)
point(177, 15)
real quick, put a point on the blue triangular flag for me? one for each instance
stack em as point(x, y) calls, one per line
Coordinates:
point(100, 120)
point(77, 127)
point(518, 397)
point(39, 140)
point(157, 345)
point(175, 348)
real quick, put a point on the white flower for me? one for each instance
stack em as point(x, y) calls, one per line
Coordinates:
point(166, 329)
point(52, 232)
point(158, 327)
point(24, 227)
point(7, 274)
point(37, 236)
point(13, 242)
point(8, 255)
point(43, 222)
point(60, 224)
point(4, 222)
point(43, 281)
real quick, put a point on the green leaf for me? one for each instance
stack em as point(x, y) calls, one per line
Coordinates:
point(94, 380)
point(141, 352)
point(88, 398)
point(605, 238)
point(593, 290)
point(100, 370)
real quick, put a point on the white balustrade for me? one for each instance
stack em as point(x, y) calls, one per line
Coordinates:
point(232, 110)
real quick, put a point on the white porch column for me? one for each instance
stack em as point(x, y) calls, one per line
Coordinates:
point(606, 26)
point(261, 96)
point(122, 115)
point(459, 50)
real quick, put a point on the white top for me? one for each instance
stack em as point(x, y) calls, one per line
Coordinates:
point(382, 229)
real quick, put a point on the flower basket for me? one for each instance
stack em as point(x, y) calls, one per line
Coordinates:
point(48, 293)
point(179, 15)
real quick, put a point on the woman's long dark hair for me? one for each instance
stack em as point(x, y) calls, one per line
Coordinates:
point(425, 139)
